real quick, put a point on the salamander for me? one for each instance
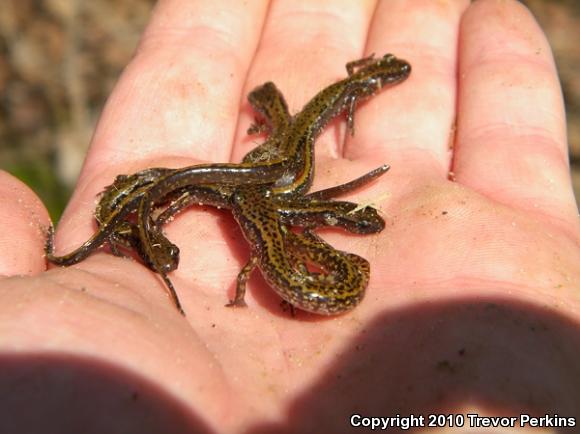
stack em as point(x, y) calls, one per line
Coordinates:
point(278, 172)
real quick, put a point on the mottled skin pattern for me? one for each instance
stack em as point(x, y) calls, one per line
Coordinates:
point(371, 76)
point(278, 173)
point(126, 234)
point(275, 120)
point(283, 257)
point(174, 180)
point(366, 77)
point(121, 198)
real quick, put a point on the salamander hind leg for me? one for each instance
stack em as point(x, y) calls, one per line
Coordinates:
point(243, 277)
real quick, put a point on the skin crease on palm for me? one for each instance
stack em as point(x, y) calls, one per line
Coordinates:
point(474, 298)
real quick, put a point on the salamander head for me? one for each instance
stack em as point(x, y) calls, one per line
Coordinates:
point(375, 74)
point(389, 69)
point(166, 253)
point(366, 221)
point(363, 221)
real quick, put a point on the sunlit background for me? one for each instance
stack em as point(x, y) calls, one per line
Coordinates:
point(59, 60)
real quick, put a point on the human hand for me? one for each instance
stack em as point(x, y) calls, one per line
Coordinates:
point(473, 300)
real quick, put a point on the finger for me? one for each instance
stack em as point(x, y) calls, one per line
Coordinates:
point(23, 225)
point(409, 126)
point(511, 139)
point(304, 47)
point(178, 97)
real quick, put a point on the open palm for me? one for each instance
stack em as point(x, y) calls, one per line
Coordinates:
point(474, 299)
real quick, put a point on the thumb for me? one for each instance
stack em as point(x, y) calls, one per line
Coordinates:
point(23, 226)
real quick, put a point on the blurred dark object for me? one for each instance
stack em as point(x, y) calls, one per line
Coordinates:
point(59, 60)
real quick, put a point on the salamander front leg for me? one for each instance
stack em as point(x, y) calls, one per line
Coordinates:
point(182, 202)
point(360, 63)
point(123, 237)
point(243, 277)
point(114, 245)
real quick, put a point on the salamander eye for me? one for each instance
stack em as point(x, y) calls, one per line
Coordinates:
point(169, 267)
point(174, 251)
point(363, 225)
point(170, 261)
